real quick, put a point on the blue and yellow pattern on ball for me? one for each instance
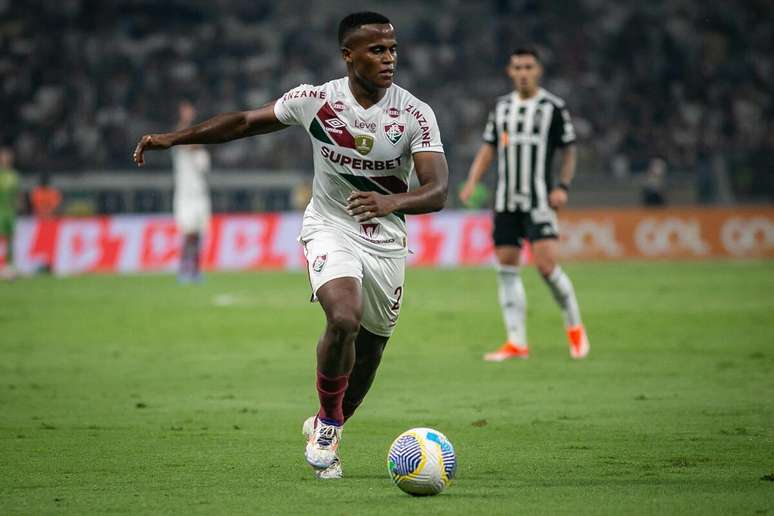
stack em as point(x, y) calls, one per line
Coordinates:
point(447, 454)
point(421, 461)
point(407, 457)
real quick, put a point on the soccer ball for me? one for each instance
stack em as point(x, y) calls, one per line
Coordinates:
point(421, 461)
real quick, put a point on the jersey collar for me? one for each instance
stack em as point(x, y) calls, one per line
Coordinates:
point(351, 96)
point(535, 98)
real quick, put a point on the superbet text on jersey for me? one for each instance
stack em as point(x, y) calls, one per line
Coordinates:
point(360, 149)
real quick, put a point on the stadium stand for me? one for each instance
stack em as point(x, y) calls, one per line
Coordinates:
point(82, 79)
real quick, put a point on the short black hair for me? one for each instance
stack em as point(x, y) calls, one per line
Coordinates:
point(526, 51)
point(354, 21)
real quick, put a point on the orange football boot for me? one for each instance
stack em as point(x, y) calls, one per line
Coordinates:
point(506, 352)
point(579, 341)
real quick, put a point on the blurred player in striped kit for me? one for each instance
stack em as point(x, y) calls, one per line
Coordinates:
point(191, 202)
point(524, 130)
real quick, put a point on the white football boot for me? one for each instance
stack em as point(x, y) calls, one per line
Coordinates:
point(308, 427)
point(321, 447)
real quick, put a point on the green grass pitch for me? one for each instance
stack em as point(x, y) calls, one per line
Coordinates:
point(137, 395)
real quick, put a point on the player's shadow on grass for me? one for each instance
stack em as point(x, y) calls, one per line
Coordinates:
point(367, 476)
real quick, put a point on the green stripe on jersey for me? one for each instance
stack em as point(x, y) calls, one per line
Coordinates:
point(318, 132)
point(365, 185)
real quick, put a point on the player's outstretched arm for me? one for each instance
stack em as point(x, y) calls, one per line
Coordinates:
point(433, 174)
point(218, 129)
point(478, 168)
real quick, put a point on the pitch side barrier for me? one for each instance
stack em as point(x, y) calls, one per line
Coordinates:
point(134, 243)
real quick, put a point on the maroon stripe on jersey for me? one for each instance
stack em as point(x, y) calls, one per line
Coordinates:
point(391, 183)
point(334, 127)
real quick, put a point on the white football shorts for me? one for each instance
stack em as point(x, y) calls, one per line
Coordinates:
point(332, 255)
point(192, 215)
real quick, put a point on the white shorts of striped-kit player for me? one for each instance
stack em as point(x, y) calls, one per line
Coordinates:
point(331, 254)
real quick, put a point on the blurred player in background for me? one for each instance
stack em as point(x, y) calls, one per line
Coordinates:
point(9, 201)
point(191, 203)
point(45, 199)
point(368, 136)
point(523, 131)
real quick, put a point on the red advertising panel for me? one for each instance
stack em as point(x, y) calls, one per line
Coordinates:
point(446, 239)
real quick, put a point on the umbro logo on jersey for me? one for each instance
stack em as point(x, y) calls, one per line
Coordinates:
point(394, 132)
point(335, 123)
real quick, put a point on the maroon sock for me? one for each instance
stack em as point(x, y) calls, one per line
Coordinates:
point(331, 393)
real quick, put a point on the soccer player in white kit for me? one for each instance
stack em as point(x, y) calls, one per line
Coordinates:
point(368, 137)
point(191, 202)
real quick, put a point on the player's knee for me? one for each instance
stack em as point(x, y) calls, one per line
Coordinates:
point(507, 257)
point(545, 266)
point(344, 324)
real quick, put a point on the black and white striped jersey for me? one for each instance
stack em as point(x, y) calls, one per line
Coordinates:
point(526, 133)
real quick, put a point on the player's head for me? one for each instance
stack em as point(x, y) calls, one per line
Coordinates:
point(524, 69)
point(6, 157)
point(368, 46)
point(186, 111)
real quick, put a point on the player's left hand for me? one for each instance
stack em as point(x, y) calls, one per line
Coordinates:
point(365, 206)
point(557, 198)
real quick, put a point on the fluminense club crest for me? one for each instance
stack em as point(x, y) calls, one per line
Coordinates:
point(394, 132)
point(319, 262)
point(364, 143)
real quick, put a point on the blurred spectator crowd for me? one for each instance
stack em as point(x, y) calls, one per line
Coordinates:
point(686, 81)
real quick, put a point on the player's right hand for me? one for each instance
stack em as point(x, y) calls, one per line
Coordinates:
point(149, 142)
point(467, 192)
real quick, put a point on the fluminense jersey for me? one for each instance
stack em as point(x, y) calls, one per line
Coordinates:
point(359, 149)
